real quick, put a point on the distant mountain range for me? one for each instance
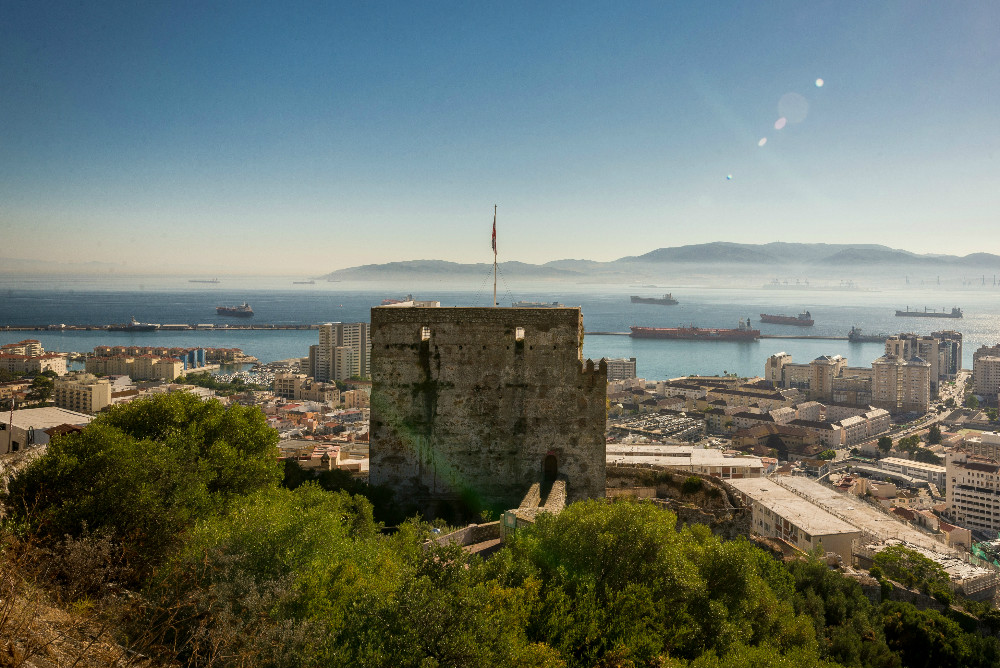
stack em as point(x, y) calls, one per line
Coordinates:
point(771, 255)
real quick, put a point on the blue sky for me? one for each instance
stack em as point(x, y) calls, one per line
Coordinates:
point(293, 137)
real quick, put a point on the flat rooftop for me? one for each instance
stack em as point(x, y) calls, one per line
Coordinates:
point(909, 463)
point(862, 515)
point(47, 417)
point(676, 455)
point(788, 505)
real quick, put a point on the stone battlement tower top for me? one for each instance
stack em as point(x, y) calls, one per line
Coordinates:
point(476, 404)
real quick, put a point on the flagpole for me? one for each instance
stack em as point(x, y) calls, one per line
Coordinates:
point(494, 254)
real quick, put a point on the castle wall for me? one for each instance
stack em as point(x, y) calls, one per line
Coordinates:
point(467, 409)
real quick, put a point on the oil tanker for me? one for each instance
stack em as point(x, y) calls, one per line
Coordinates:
point(743, 333)
point(665, 300)
point(929, 313)
point(803, 319)
point(241, 311)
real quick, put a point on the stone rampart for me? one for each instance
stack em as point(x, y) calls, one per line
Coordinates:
point(476, 404)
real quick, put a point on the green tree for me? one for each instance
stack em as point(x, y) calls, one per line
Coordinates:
point(41, 388)
point(992, 413)
point(926, 456)
point(145, 471)
point(971, 401)
point(934, 435)
point(885, 444)
point(827, 454)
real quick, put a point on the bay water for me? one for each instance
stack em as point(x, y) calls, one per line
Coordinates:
point(607, 310)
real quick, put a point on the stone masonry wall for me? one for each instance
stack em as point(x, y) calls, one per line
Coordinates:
point(467, 409)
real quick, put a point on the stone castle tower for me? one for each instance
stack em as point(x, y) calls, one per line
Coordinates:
point(476, 404)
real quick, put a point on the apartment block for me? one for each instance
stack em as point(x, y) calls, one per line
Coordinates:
point(82, 392)
point(973, 491)
point(344, 351)
point(902, 385)
point(986, 372)
point(621, 369)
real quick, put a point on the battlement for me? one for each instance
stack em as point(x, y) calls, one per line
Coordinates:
point(478, 403)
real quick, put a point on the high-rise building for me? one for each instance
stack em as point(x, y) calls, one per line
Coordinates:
point(942, 350)
point(973, 491)
point(986, 372)
point(621, 369)
point(901, 385)
point(344, 351)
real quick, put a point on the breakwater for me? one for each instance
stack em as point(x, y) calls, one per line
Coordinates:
point(210, 327)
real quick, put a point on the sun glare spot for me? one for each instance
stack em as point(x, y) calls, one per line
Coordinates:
point(780, 123)
point(729, 177)
point(763, 140)
point(819, 83)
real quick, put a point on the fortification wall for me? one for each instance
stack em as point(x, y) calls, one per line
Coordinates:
point(469, 403)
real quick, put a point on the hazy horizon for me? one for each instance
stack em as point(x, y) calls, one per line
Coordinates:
point(211, 139)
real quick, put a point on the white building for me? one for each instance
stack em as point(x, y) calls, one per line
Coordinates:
point(973, 491)
point(932, 473)
point(344, 351)
point(780, 513)
point(82, 392)
point(688, 458)
point(620, 369)
point(27, 427)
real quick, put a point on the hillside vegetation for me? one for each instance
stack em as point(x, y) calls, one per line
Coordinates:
point(166, 525)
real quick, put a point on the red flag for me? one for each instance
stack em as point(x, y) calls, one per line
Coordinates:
point(494, 231)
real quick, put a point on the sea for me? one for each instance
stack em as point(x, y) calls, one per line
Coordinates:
point(607, 310)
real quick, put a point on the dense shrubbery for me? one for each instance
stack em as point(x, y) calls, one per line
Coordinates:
point(181, 502)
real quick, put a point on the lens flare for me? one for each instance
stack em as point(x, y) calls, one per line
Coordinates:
point(763, 140)
point(819, 83)
point(729, 177)
point(780, 123)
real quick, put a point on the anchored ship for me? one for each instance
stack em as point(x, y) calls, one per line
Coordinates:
point(241, 311)
point(202, 280)
point(803, 319)
point(930, 313)
point(134, 326)
point(536, 304)
point(390, 301)
point(743, 333)
point(665, 300)
point(855, 336)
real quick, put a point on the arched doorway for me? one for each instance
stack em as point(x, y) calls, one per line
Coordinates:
point(550, 468)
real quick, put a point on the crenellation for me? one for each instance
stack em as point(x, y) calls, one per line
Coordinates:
point(477, 409)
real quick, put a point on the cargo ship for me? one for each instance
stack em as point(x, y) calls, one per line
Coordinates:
point(536, 305)
point(665, 300)
point(202, 280)
point(855, 336)
point(930, 313)
point(390, 302)
point(241, 311)
point(743, 333)
point(134, 326)
point(803, 319)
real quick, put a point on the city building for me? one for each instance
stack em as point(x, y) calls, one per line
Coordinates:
point(973, 491)
point(82, 392)
point(942, 350)
point(344, 351)
point(620, 369)
point(932, 473)
point(472, 406)
point(35, 426)
point(33, 364)
point(706, 461)
point(28, 347)
point(986, 372)
point(902, 385)
point(780, 513)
